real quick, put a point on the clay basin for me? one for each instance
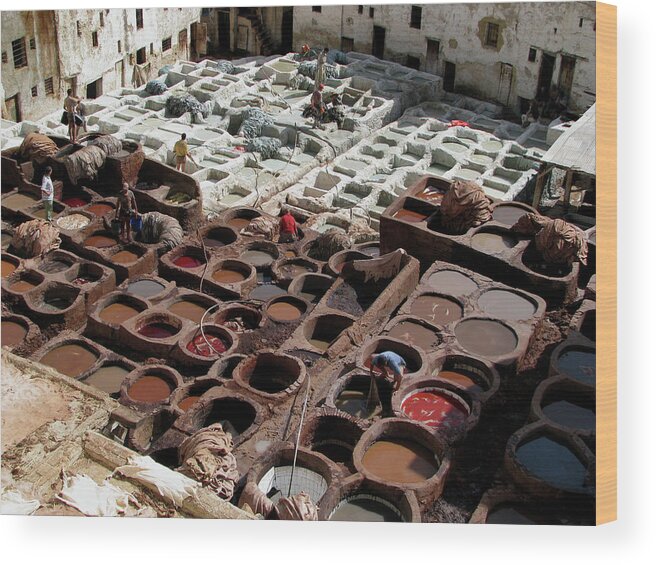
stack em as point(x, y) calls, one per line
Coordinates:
point(334, 435)
point(371, 248)
point(56, 263)
point(73, 358)
point(233, 272)
point(14, 331)
point(191, 307)
point(119, 308)
point(270, 375)
point(321, 331)
point(286, 308)
point(218, 237)
point(288, 269)
point(487, 338)
point(24, 282)
point(239, 218)
point(493, 242)
point(213, 342)
point(310, 287)
point(534, 261)
point(238, 318)
point(507, 304)
point(451, 282)
point(414, 358)
point(437, 309)
point(145, 288)
point(55, 298)
point(100, 208)
point(109, 377)
point(566, 404)
point(260, 254)
point(128, 255)
point(100, 240)
point(188, 395)
point(158, 327)
point(337, 261)
point(413, 211)
point(9, 265)
point(350, 395)
point(508, 214)
point(576, 362)
point(477, 377)
point(150, 385)
point(415, 331)
point(187, 257)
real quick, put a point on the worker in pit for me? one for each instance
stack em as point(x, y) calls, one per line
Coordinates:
point(288, 228)
point(181, 150)
point(385, 362)
point(317, 107)
point(125, 211)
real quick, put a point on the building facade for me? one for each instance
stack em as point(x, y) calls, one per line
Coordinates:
point(507, 53)
point(91, 51)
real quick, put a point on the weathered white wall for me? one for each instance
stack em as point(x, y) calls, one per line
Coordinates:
point(460, 29)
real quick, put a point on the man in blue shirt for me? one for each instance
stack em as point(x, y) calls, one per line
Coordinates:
point(388, 360)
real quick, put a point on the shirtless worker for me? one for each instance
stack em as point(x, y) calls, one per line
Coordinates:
point(127, 207)
point(181, 150)
point(70, 104)
point(317, 105)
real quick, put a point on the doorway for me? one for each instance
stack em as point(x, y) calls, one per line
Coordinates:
point(432, 55)
point(13, 109)
point(544, 78)
point(566, 76)
point(347, 44)
point(224, 29)
point(378, 44)
point(505, 83)
point(449, 76)
point(94, 89)
point(287, 30)
point(119, 71)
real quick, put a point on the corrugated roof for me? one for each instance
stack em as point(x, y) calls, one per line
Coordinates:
point(576, 147)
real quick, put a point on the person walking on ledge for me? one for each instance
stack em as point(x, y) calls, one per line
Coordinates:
point(181, 150)
point(127, 207)
point(47, 193)
point(387, 360)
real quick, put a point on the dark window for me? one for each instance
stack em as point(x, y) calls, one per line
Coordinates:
point(20, 55)
point(102, 19)
point(94, 38)
point(360, 9)
point(580, 22)
point(166, 44)
point(555, 30)
point(35, 92)
point(492, 34)
point(205, 12)
point(78, 27)
point(118, 45)
point(316, 9)
point(4, 57)
point(32, 43)
point(50, 89)
point(532, 55)
point(152, 48)
point(139, 19)
point(412, 62)
point(371, 12)
point(182, 38)
point(141, 56)
point(415, 17)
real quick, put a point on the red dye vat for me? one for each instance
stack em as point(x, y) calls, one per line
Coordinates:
point(199, 345)
point(158, 331)
point(187, 262)
point(435, 409)
point(75, 202)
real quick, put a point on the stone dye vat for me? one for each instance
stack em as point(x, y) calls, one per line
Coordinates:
point(109, 377)
point(310, 287)
point(238, 318)
point(488, 338)
point(567, 404)
point(270, 375)
point(578, 363)
point(436, 309)
point(414, 358)
point(350, 394)
point(286, 308)
point(414, 331)
point(73, 358)
point(321, 331)
point(149, 386)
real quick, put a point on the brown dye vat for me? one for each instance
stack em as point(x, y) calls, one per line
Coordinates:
point(320, 344)
point(125, 257)
point(257, 257)
point(488, 242)
point(71, 359)
point(416, 334)
point(108, 378)
point(53, 266)
point(100, 209)
point(12, 333)
point(239, 223)
point(486, 337)
point(410, 216)
point(7, 268)
point(356, 403)
point(452, 282)
point(189, 310)
point(117, 313)
point(145, 288)
point(460, 378)
point(284, 311)
point(508, 215)
point(400, 461)
point(289, 254)
point(158, 330)
point(228, 276)
point(506, 305)
point(22, 285)
point(19, 201)
point(149, 389)
point(188, 402)
point(100, 241)
point(436, 309)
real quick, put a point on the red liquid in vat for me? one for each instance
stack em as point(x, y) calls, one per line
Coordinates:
point(435, 409)
point(187, 262)
point(158, 331)
point(199, 345)
point(74, 202)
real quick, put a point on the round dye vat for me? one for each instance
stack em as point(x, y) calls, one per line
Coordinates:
point(552, 462)
point(416, 334)
point(460, 378)
point(492, 242)
point(22, 285)
point(266, 292)
point(579, 364)
point(486, 337)
point(400, 461)
point(145, 288)
point(410, 216)
point(452, 282)
point(293, 270)
point(189, 310)
point(73, 222)
point(100, 241)
point(362, 508)
point(108, 378)
point(53, 266)
point(71, 359)
point(188, 402)
point(200, 346)
point(100, 209)
point(506, 514)
point(12, 333)
point(5, 239)
point(289, 254)
point(371, 250)
point(7, 268)
point(457, 147)
point(228, 276)
point(284, 311)
point(56, 303)
point(508, 215)
point(356, 403)
point(187, 262)
point(125, 257)
point(158, 330)
point(239, 223)
point(492, 145)
point(481, 159)
point(149, 388)
point(570, 415)
point(75, 202)
point(506, 305)
point(435, 409)
point(257, 257)
point(117, 313)
point(468, 174)
point(436, 309)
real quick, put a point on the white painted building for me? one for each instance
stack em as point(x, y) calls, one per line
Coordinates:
point(92, 51)
point(508, 53)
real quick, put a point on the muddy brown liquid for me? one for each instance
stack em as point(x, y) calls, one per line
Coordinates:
point(125, 257)
point(257, 258)
point(7, 268)
point(364, 510)
point(284, 311)
point(506, 305)
point(320, 344)
point(22, 285)
point(100, 241)
point(266, 292)
point(436, 309)
point(239, 223)
point(400, 461)
point(356, 403)
point(418, 335)
point(461, 379)
point(149, 388)
point(71, 359)
point(117, 313)
point(410, 216)
point(188, 402)
point(100, 209)
point(189, 310)
point(452, 282)
point(145, 288)
point(228, 276)
point(486, 337)
point(108, 378)
point(508, 215)
point(492, 242)
point(12, 333)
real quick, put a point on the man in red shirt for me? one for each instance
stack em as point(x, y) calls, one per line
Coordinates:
point(288, 229)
